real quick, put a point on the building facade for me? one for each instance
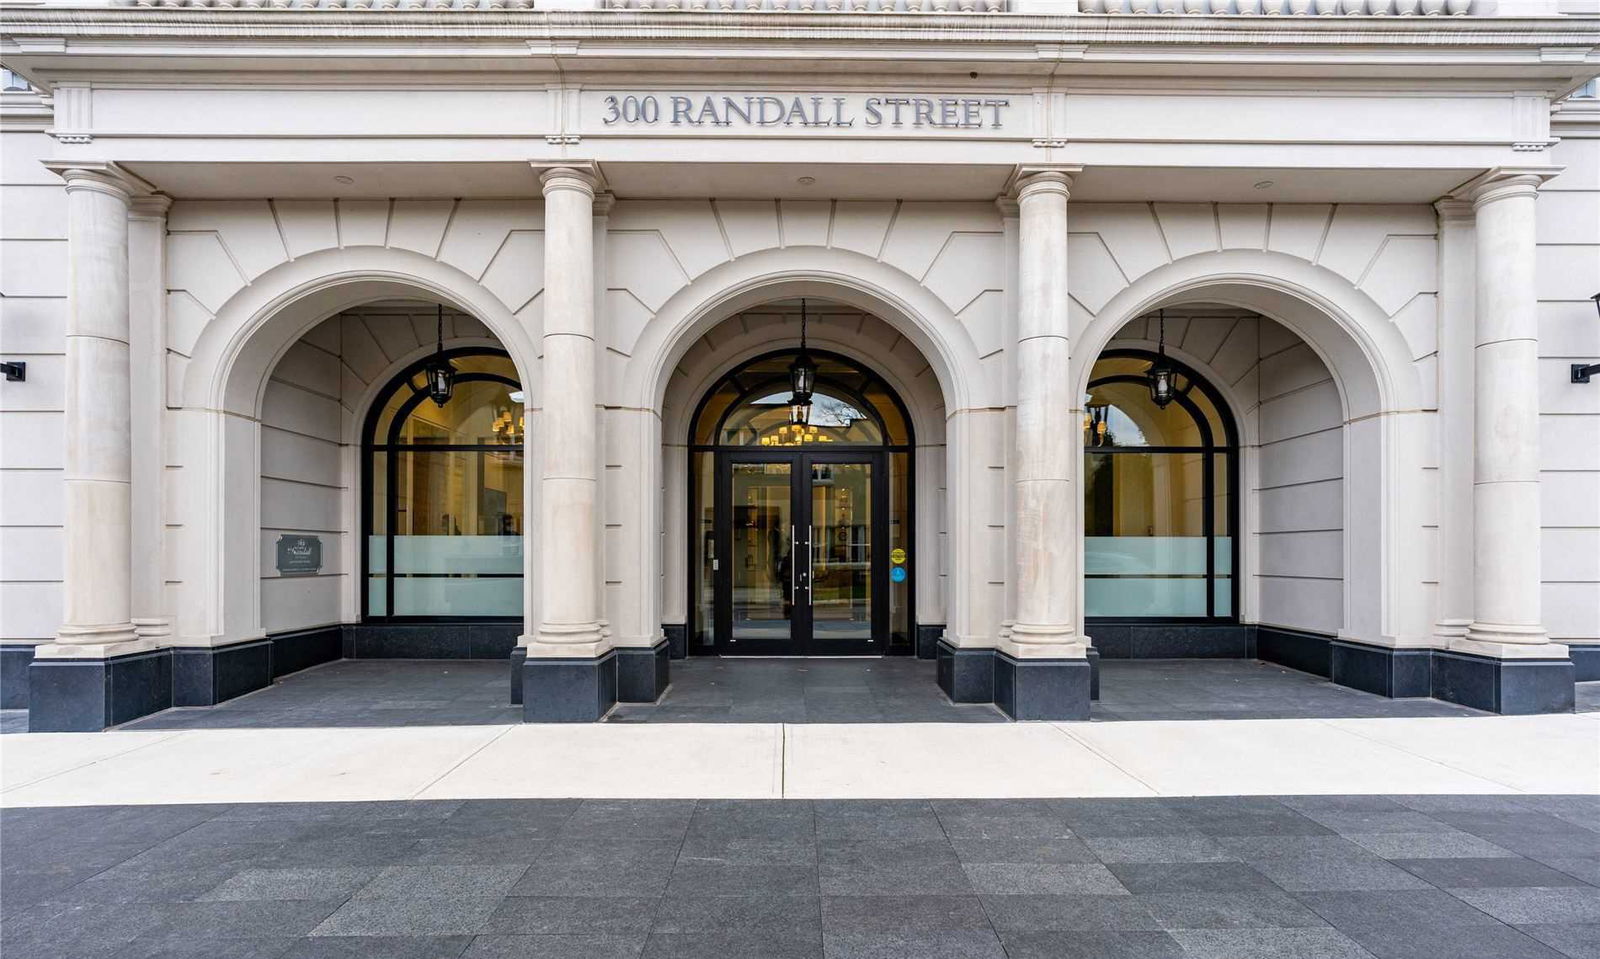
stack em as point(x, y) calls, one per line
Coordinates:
point(1123, 329)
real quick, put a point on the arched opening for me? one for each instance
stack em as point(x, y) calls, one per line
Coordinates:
point(443, 507)
point(1160, 495)
point(801, 526)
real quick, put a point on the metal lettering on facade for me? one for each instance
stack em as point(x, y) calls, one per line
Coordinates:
point(810, 110)
point(299, 555)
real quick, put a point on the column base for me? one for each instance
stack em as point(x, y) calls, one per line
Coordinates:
point(1093, 656)
point(965, 674)
point(568, 689)
point(1043, 689)
point(80, 694)
point(928, 636)
point(1511, 687)
point(207, 675)
point(677, 639)
point(519, 656)
point(642, 672)
point(15, 658)
point(1585, 662)
point(1383, 670)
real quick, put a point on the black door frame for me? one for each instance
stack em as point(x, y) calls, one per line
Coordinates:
point(802, 639)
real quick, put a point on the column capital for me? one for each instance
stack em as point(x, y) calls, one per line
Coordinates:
point(152, 207)
point(582, 176)
point(1503, 183)
point(1033, 181)
point(1453, 209)
point(101, 176)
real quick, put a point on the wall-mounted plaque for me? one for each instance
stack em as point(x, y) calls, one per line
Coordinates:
point(298, 554)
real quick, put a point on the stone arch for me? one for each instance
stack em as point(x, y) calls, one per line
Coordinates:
point(833, 274)
point(221, 392)
point(1384, 405)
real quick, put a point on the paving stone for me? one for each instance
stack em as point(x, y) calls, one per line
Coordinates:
point(1305, 874)
point(298, 883)
point(747, 852)
point(201, 948)
point(1413, 941)
point(1042, 879)
point(1435, 845)
point(1256, 909)
point(902, 915)
point(378, 947)
point(1351, 822)
point(727, 945)
point(1422, 908)
point(939, 944)
point(565, 915)
point(1577, 940)
point(629, 819)
point(880, 820)
point(1046, 913)
point(470, 882)
point(1001, 819)
point(1480, 873)
point(1034, 850)
point(1536, 905)
point(409, 917)
point(722, 879)
point(1189, 877)
point(1079, 944)
point(696, 914)
point(1267, 944)
point(1252, 848)
point(555, 947)
point(1160, 849)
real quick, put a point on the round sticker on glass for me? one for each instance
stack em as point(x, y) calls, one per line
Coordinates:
point(898, 574)
point(897, 556)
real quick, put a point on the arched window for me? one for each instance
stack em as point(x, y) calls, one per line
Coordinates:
point(1160, 503)
point(443, 514)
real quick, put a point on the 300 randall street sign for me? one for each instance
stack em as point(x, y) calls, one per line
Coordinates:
point(804, 110)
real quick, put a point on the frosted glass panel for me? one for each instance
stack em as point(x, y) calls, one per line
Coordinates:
point(1139, 596)
point(457, 596)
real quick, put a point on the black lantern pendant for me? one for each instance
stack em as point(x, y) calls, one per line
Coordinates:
point(441, 375)
point(1161, 375)
point(802, 378)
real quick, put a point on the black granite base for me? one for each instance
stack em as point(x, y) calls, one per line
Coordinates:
point(430, 640)
point(928, 636)
point(14, 661)
point(564, 690)
point(205, 676)
point(642, 673)
point(1171, 640)
point(677, 639)
point(304, 648)
point(1052, 689)
point(87, 695)
point(1093, 655)
point(1385, 671)
point(518, 657)
point(965, 675)
point(1308, 652)
point(1585, 663)
point(1510, 687)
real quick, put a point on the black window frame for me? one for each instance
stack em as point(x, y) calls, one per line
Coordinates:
point(390, 448)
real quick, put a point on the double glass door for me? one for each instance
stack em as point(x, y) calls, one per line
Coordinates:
point(797, 570)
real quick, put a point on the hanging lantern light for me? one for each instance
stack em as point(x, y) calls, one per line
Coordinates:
point(1161, 376)
point(441, 375)
point(802, 378)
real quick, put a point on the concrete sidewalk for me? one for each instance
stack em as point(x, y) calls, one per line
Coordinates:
point(1388, 756)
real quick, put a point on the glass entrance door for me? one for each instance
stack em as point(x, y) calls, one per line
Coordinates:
point(798, 573)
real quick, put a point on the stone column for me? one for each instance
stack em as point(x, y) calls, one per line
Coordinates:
point(97, 591)
point(147, 238)
point(1457, 336)
point(1041, 669)
point(1506, 608)
point(569, 478)
point(569, 673)
point(1046, 506)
